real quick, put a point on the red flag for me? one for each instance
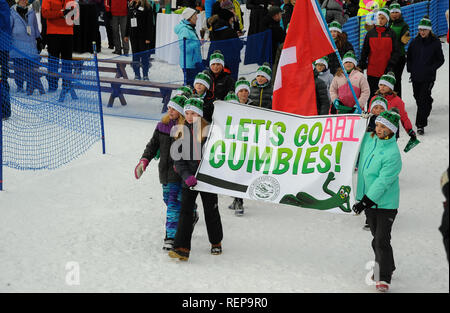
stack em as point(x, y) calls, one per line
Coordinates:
point(307, 40)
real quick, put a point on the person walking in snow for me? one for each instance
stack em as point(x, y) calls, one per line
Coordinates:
point(401, 29)
point(424, 57)
point(343, 45)
point(160, 143)
point(378, 191)
point(340, 93)
point(386, 89)
point(202, 83)
point(221, 80)
point(193, 138)
point(380, 52)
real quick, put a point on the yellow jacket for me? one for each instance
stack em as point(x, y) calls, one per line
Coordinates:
point(367, 6)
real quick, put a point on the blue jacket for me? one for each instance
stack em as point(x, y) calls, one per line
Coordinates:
point(21, 40)
point(5, 26)
point(193, 53)
point(379, 166)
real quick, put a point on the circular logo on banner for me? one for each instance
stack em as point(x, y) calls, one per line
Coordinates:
point(264, 188)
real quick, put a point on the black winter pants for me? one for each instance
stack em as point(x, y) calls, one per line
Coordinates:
point(185, 222)
point(373, 85)
point(141, 56)
point(398, 71)
point(59, 47)
point(380, 222)
point(424, 101)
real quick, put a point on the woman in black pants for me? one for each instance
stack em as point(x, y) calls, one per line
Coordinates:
point(186, 166)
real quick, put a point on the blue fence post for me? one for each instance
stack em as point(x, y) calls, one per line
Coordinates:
point(1, 132)
point(100, 105)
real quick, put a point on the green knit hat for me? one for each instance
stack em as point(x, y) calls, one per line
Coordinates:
point(184, 90)
point(425, 23)
point(390, 119)
point(265, 71)
point(242, 83)
point(388, 80)
point(349, 56)
point(204, 79)
point(395, 7)
point(384, 12)
point(177, 103)
point(194, 104)
point(379, 100)
point(322, 60)
point(231, 97)
point(217, 57)
point(335, 25)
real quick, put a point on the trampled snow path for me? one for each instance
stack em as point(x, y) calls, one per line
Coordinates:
point(93, 212)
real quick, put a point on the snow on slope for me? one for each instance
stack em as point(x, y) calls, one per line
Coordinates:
point(94, 212)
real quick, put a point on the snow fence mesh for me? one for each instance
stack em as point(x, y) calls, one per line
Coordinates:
point(50, 109)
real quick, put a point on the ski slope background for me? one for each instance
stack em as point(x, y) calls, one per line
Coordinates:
point(95, 213)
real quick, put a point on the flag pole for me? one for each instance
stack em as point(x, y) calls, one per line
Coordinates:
point(358, 107)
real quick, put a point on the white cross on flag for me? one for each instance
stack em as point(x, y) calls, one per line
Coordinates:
point(307, 40)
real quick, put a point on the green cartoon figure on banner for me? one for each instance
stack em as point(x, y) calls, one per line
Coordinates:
point(341, 199)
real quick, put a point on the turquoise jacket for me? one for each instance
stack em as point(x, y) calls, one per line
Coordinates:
point(193, 52)
point(379, 166)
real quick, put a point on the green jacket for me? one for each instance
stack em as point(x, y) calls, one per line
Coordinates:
point(379, 166)
point(400, 28)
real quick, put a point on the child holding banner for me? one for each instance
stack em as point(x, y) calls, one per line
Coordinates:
point(386, 89)
point(171, 182)
point(378, 191)
point(340, 93)
point(193, 138)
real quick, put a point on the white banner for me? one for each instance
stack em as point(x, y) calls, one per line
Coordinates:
point(279, 157)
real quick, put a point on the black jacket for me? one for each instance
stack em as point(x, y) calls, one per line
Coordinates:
point(288, 9)
point(190, 160)
point(322, 101)
point(424, 57)
point(258, 9)
point(278, 34)
point(208, 105)
point(162, 141)
point(220, 85)
point(144, 19)
point(261, 96)
point(225, 38)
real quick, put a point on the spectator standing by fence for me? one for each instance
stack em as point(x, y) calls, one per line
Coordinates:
point(119, 13)
point(25, 31)
point(272, 21)
point(258, 10)
point(401, 30)
point(59, 38)
point(367, 6)
point(288, 9)
point(139, 31)
point(192, 62)
point(424, 57)
point(380, 52)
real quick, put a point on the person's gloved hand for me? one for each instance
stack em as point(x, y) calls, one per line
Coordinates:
point(66, 11)
point(191, 181)
point(365, 114)
point(337, 103)
point(405, 38)
point(365, 203)
point(140, 168)
point(412, 134)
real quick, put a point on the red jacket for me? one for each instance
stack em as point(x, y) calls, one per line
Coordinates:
point(396, 102)
point(56, 22)
point(380, 51)
point(117, 7)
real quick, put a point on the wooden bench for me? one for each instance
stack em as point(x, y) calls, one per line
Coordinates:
point(164, 90)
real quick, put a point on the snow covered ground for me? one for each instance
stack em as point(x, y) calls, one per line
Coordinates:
point(93, 216)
